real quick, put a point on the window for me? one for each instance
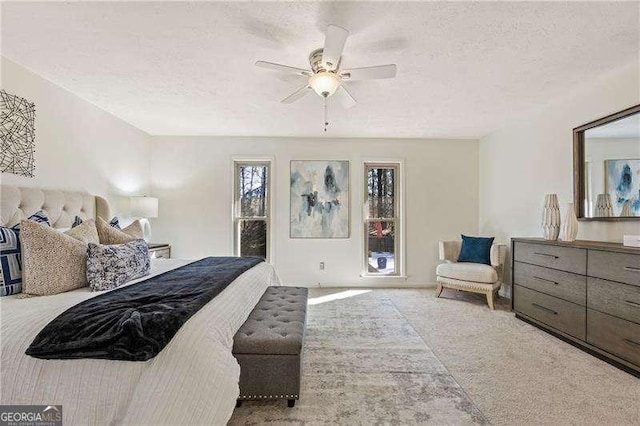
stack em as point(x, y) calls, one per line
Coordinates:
point(382, 219)
point(251, 209)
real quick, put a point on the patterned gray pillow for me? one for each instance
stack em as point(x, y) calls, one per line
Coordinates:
point(109, 267)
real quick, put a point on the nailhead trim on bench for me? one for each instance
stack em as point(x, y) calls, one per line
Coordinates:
point(267, 397)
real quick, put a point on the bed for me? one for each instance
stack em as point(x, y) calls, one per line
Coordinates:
point(193, 380)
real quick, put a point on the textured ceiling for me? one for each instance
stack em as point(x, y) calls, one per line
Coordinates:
point(464, 68)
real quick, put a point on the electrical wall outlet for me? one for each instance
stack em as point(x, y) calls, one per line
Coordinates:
point(322, 266)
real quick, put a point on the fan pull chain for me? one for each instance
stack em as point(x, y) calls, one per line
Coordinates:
point(326, 114)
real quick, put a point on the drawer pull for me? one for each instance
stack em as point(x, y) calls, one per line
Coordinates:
point(631, 342)
point(546, 255)
point(545, 280)
point(551, 311)
point(632, 303)
point(631, 269)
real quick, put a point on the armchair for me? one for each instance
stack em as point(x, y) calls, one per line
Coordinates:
point(473, 277)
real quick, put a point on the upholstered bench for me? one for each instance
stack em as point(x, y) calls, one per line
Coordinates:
point(268, 346)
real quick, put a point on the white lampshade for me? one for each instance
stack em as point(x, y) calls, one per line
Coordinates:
point(146, 207)
point(324, 83)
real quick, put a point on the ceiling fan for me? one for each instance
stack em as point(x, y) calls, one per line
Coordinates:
point(325, 77)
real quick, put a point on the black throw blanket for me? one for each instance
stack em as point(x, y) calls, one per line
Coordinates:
point(136, 322)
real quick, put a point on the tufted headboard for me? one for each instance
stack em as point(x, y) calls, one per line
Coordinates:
point(62, 207)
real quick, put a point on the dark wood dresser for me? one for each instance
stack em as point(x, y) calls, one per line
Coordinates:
point(586, 292)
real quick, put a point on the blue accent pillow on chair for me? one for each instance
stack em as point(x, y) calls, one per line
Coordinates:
point(10, 257)
point(475, 250)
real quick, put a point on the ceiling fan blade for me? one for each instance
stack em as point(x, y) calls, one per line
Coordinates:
point(283, 68)
point(334, 41)
point(369, 73)
point(345, 97)
point(296, 95)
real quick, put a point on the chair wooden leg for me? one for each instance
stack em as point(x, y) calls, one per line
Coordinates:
point(439, 290)
point(490, 297)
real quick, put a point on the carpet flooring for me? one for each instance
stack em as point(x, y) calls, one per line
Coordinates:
point(406, 357)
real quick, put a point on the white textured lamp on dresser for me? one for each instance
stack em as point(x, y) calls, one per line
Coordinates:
point(145, 208)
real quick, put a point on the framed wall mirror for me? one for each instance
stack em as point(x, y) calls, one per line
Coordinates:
point(606, 167)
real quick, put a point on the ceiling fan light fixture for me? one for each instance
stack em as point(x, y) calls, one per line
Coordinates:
point(324, 83)
point(326, 76)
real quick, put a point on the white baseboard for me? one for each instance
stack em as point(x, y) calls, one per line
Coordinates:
point(361, 285)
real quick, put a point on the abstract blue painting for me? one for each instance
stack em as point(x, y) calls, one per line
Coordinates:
point(319, 199)
point(622, 183)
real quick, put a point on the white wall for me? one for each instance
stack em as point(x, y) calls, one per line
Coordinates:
point(192, 177)
point(527, 159)
point(78, 146)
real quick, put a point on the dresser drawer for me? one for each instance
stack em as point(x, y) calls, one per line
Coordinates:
point(622, 267)
point(565, 285)
point(557, 313)
point(619, 300)
point(614, 335)
point(556, 257)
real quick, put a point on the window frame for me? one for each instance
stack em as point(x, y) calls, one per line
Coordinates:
point(236, 208)
point(397, 220)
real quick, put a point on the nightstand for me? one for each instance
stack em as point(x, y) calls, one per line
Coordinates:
point(160, 250)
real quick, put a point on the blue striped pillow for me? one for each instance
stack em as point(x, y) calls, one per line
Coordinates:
point(113, 222)
point(40, 216)
point(76, 222)
point(10, 258)
point(10, 261)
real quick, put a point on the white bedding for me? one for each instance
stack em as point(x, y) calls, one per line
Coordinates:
point(194, 380)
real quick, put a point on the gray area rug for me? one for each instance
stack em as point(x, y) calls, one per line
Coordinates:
point(514, 372)
point(364, 363)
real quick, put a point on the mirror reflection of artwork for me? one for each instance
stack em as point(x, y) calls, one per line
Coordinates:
point(622, 183)
point(319, 199)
